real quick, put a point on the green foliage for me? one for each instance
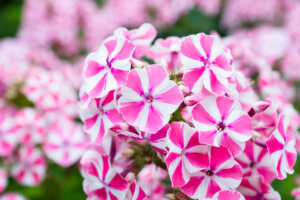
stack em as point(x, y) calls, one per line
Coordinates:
point(191, 23)
point(10, 17)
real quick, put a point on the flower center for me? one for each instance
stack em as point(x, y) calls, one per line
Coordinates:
point(149, 98)
point(206, 63)
point(220, 126)
point(252, 164)
point(108, 62)
point(209, 173)
point(259, 196)
point(101, 111)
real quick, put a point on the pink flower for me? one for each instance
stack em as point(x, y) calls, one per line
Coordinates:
point(223, 173)
point(140, 37)
point(106, 69)
point(65, 142)
point(12, 196)
point(256, 161)
point(256, 188)
point(290, 64)
point(135, 192)
point(3, 179)
point(157, 140)
point(228, 194)
point(149, 98)
point(100, 179)
point(296, 193)
point(186, 155)
point(207, 64)
point(30, 126)
point(221, 121)
point(31, 166)
point(8, 137)
point(281, 146)
point(49, 91)
point(100, 115)
point(150, 179)
point(167, 51)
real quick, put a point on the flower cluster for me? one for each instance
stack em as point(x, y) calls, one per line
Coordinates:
point(188, 106)
point(72, 25)
point(38, 108)
point(194, 117)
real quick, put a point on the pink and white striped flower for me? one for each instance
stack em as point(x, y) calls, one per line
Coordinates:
point(296, 193)
point(281, 146)
point(65, 142)
point(228, 194)
point(107, 68)
point(157, 140)
point(135, 192)
point(8, 137)
point(256, 161)
point(100, 179)
point(30, 126)
point(12, 196)
point(223, 173)
point(49, 90)
point(140, 37)
point(186, 155)
point(256, 188)
point(221, 121)
point(167, 51)
point(207, 64)
point(150, 179)
point(3, 179)
point(149, 98)
point(100, 115)
point(31, 166)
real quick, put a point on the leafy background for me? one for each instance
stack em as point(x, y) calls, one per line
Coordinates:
point(66, 184)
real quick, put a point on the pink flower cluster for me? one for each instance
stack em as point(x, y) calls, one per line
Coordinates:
point(209, 128)
point(199, 117)
point(42, 130)
point(72, 25)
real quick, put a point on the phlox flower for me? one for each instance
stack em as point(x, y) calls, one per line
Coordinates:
point(228, 194)
point(207, 64)
point(149, 98)
point(256, 161)
point(100, 115)
point(157, 140)
point(100, 179)
point(186, 155)
point(30, 167)
point(223, 173)
point(8, 137)
point(140, 37)
point(296, 193)
point(222, 122)
point(256, 188)
point(48, 90)
point(30, 126)
point(65, 142)
point(12, 196)
point(281, 146)
point(167, 51)
point(3, 179)
point(135, 192)
point(150, 178)
point(106, 69)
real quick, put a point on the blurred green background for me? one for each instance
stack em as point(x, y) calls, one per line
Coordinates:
point(66, 184)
